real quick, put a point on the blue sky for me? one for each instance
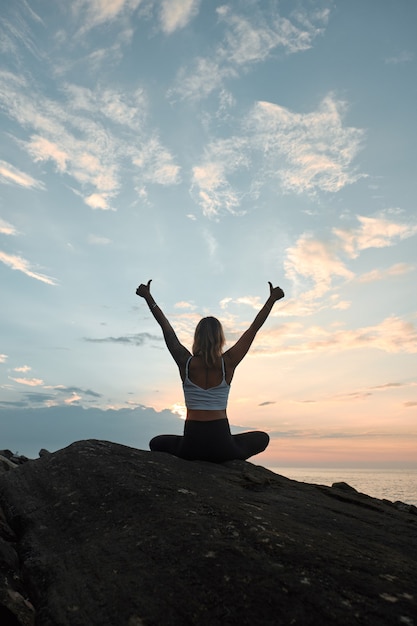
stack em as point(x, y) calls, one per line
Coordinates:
point(211, 147)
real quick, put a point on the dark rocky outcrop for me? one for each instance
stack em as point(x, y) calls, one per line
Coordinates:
point(103, 534)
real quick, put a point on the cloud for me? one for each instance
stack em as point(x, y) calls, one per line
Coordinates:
point(300, 153)
point(23, 369)
point(313, 262)
point(184, 305)
point(3, 358)
point(175, 14)
point(98, 201)
point(73, 399)
point(11, 175)
point(398, 269)
point(373, 232)
point(207, 75)
point(16, 33)
point(22, 265)
point(87, 134)
point(248, 40)
point(30, 382)
point(128, 340)
point(210, 185)
point(78, 390)
point(93, 13)
point(402, 57)
point(251, 39)
point(318, 262)
point(123, 109)
point(96, 240)
point(212, 246)
point(360, 394)
point(30, 429)
point(156, 163)
point(349, 434)
point(392, 335)
point(6, 228)
point(308, 152)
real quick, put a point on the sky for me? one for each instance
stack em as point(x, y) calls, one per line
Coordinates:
point(211, 147)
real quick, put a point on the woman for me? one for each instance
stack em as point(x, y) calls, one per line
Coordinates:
point(206, 375)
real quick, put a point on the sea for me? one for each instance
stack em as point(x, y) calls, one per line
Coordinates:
point(391, 484)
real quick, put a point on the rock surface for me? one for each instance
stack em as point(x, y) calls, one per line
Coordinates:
point(107, 535)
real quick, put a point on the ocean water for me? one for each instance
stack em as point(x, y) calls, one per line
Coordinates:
point(391, 484)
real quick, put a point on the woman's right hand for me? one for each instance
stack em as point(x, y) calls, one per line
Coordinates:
point(275, 293)
point(144, 290)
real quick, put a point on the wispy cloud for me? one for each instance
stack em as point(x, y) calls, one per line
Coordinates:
point(247, 40)
point(354, 433)
point(308, 152)
point(251, 39)
point(15, 30)
point(402, 57)
point(398, 269)
point(392, 335)
point(175, 14)
point(360, 394)
point(96, 240)
point(210, 185)
point(373, 233)
point(12, 175)
point(172, 15)
point(316, 261)
point(74, 398)
point(6, 228)
point(30, 382)
point(127, 340)
point(22, 265)
point(3, 358)
point(313, 263)
point(156, 163)
point(212, 247)
point(86, 134)
point(184, 305)
point(78, 390)
point(299, 153)
point(93, 13)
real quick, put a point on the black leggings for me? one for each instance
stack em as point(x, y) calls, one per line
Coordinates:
point(211, 441)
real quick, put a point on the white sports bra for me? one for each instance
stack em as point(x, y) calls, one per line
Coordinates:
point(211, 399)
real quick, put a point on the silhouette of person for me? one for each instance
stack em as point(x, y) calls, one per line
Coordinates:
point(206, 375)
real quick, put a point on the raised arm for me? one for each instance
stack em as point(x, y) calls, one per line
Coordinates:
point(179, 352)
point(237, 352)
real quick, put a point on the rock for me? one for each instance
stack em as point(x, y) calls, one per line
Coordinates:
point(107, 535)
point(6, 464)
point(16, 459)
point(344, 487)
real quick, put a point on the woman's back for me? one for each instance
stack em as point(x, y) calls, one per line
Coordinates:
point(208, 377)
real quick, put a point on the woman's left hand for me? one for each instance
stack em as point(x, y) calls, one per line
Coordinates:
point(144, 290)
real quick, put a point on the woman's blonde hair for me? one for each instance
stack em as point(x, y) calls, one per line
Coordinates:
point(208, 340)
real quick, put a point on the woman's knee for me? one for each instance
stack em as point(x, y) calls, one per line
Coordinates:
point(153, 444)
point(165, 443)
point(252, 443)
point(263, 439)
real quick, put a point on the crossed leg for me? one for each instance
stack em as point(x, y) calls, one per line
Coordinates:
point(246, 445)
point(251, 443)
point(166, 443)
